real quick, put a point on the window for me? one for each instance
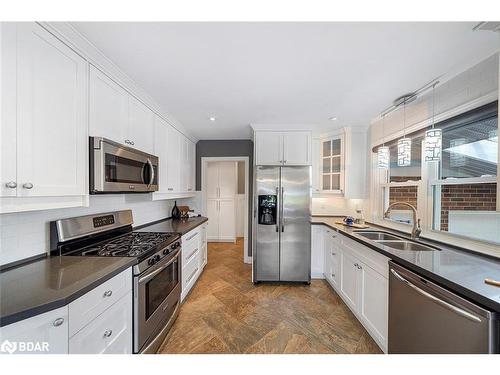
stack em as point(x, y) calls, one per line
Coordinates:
point(414, 171)
point(465, 188)
point(332, 165)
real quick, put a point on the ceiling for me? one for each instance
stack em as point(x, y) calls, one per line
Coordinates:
point(284, 73)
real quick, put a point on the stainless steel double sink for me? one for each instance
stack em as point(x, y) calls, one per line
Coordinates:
point(393, 241)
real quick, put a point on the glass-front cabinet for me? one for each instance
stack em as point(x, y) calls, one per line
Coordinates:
point(332, 165)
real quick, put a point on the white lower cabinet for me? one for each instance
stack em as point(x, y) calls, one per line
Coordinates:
point(110, 333)
point(100, 321)
point(194, 257)
point(360, 276)
point(40, 334)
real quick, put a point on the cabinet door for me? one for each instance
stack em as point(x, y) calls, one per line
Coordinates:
point(227, 222)
point(108, 107)
point(161, 150)
point(8, 126)
point(297, 148)
point(140, 126)
point(374, 303)
point(52, 144)
point(349, 280)
point(173, 160)
point(317, 251)
point(268, 148)
point(227, 179)
point(109, 333)
point(191, 165)
point(185, 173)
point(213, 222)
point(316, 164)
point(212, 176)
point(49, 330)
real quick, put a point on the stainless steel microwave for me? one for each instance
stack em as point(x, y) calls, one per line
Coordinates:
point(115, 168)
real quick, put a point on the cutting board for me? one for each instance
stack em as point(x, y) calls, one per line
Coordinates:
point(359, 226)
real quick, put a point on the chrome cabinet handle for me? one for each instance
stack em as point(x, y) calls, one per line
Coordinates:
point(192, 275)
point(334, 253)
point(108, 293)
point(132, 143)
point(278, 203)
point(191, 237)
point(333, 275)
point(437, 300)
point(127, 141)
point(170, 189)
point(58, 322)
point(28, 185)
point(191, 255)
point(11, 184)
point(152, 177)
point(359, 267)
point(284, 161)
point(108, 333)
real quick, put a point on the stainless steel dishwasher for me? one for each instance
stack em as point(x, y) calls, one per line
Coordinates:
point(426, 318)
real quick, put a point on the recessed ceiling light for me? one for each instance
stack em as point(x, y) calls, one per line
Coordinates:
point(211, 118)
point(333, 118)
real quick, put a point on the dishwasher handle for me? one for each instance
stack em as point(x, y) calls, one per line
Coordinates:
point(437, 300)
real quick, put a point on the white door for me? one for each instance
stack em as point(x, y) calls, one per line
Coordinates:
point(349, 279)
point(173, 160)
point(49, 329)
point(374, 302)
point(268, 148)
point(161, 150)
point(297, 148)
point(8, 176)
point(227, 222)
point(213, 220)
point(140, 126)
point(108, 107)
point(227, 179)
point(212, 176)
point(52, 143)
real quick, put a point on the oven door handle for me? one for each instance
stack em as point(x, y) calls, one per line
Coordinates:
point(157, 271)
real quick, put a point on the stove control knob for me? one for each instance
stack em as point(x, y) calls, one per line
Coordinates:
point(157, 257)
point(151, 261)
point(165, 252)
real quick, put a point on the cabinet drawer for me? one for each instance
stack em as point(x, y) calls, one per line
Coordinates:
point(109, 333)
point(190, 248)
point(190, 272)
point(86, 308)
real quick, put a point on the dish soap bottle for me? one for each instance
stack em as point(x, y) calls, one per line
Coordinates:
point(176, 213)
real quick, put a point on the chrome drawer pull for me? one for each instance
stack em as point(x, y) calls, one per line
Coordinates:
point(192, 254)
point(192, 275)
point(108, 293)
point(28, 185)
point(170, 189)
point(492, 282)
point(108, 333)
point(191, 237)
point(58, 322)
point(11, 185)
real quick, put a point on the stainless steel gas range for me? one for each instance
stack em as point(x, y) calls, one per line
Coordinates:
point(157, 274)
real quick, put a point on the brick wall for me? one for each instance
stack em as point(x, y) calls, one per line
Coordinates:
point(406, 194)
point(471, 197)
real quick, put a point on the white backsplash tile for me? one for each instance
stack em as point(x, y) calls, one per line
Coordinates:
point(26, 234)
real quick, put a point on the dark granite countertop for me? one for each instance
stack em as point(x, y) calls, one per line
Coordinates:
point(461, 271)
point(53, 282)
point(181, 226)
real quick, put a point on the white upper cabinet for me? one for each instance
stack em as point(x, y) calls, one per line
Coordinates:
point(108, 107)
point(192, 166)
point(297, 148)
point(268, 148)
point(161, 150)
point(117, 115)
point(51, 116)
point(173, 160)
point(140, 131)
point(283, 148)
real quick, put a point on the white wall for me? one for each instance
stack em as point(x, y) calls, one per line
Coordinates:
point(26, 234)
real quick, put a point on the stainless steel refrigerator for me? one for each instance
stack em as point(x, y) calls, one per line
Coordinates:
point(282, 228)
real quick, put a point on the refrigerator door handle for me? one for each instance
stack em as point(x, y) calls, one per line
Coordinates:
point(282, 213)
point(278, 201)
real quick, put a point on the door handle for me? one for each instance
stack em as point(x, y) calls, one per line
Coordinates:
point(278, 208)
point(152, 176)
point(282, 210)
point(437, 300)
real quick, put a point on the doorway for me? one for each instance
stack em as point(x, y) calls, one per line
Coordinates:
point(216, 196)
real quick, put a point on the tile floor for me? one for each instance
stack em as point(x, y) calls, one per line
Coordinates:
point(226, 313)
